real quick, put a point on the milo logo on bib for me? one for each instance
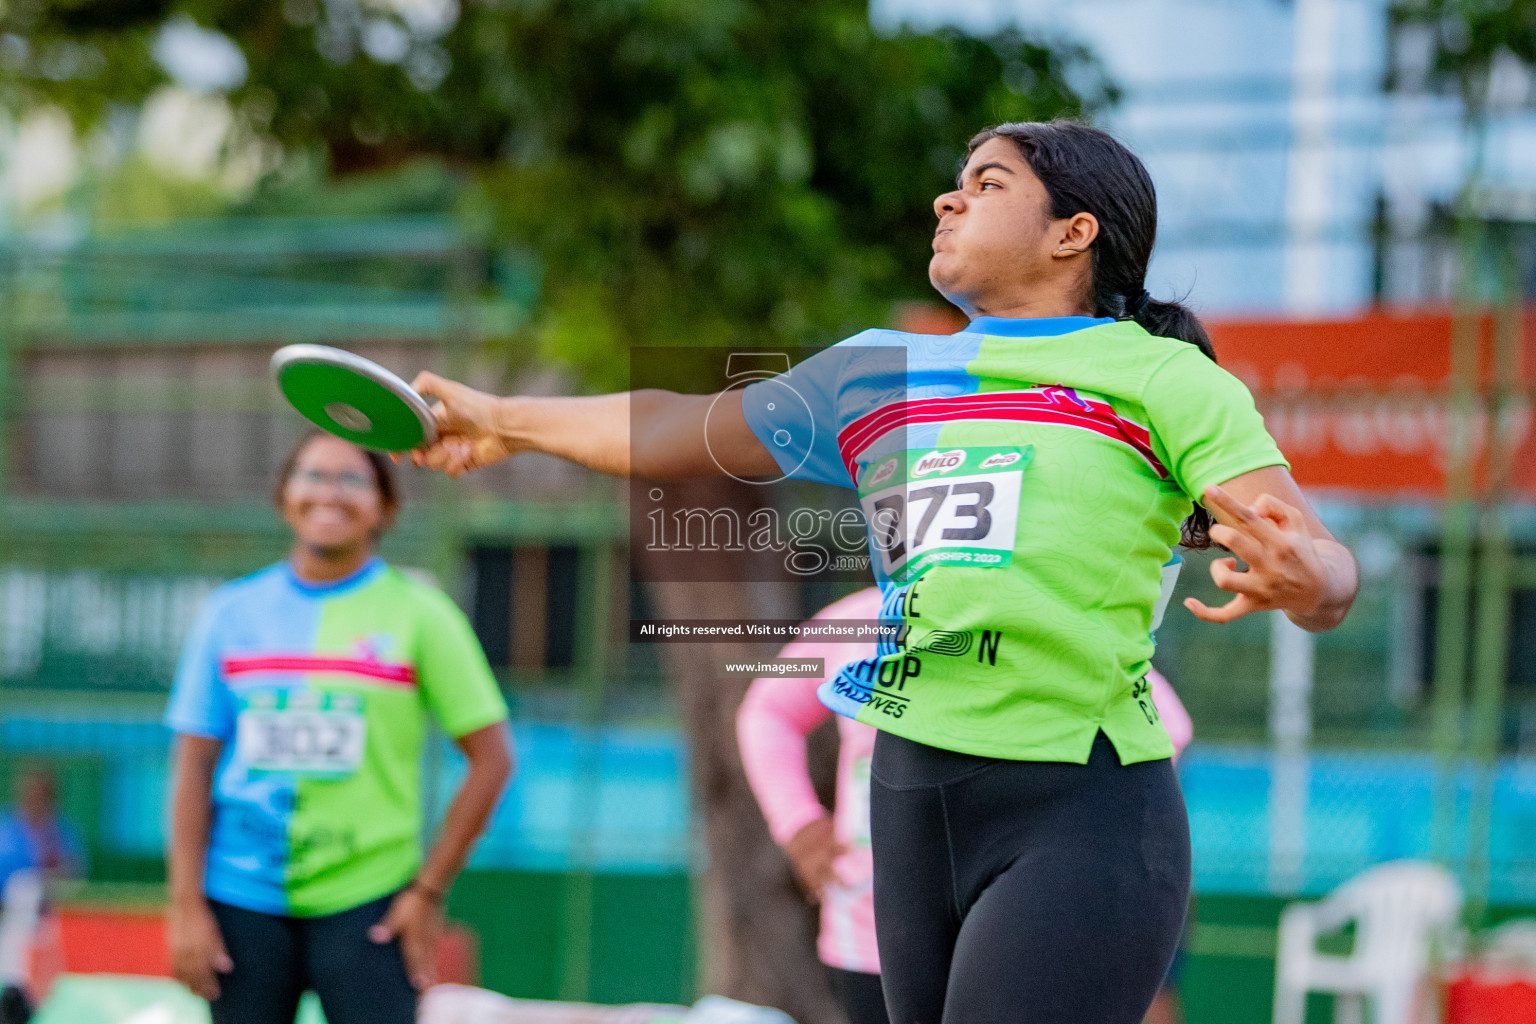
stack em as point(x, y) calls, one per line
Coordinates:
point(939, 462)
point(956, 506)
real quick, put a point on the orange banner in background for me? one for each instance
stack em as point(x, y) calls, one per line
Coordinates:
point(1357, 405)
point(1361, 405)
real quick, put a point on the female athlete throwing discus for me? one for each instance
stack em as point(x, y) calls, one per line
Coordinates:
point(1025, 480)
point(300, 712)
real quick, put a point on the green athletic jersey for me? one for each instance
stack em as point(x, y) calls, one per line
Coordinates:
point(1024, 482)
point(320, 694)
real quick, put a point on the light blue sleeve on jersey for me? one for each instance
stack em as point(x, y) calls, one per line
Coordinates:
point(796, 415)
point(1170, 580)
point(201, 705)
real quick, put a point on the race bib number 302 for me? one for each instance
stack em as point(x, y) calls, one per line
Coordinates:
point(302, 733)
point(936, 506)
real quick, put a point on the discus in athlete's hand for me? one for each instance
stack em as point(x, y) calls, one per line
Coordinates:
point(469, 435)
point(354, 398)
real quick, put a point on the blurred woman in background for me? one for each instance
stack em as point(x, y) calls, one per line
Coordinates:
point(300, 711)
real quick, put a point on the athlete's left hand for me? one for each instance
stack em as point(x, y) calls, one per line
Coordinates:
point(417, 920)
point(1285, 568)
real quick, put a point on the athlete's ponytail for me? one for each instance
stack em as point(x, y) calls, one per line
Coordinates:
point(1085, 170)
point(1176, 320)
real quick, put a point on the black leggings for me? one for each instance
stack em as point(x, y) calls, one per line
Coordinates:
point(860, 995)
point(1025, 892)
point(277, 958)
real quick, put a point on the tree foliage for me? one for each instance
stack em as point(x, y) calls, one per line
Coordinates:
point(1470, 36)
point(686, 171)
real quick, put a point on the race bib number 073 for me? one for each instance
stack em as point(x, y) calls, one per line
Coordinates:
point(935, 506)
point(317, 737)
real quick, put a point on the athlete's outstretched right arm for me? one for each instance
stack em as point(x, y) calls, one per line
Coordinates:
point(660, 435)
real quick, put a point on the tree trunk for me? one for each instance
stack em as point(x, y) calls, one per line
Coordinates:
point(756, 930)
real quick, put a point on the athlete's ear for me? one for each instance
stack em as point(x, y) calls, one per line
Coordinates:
point(1075, 234)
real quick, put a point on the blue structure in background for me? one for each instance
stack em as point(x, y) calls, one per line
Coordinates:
point(1268, 129)
point(1362, 808)
point(616, 799)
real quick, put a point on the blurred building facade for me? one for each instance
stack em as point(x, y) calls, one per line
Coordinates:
point(1305, 163)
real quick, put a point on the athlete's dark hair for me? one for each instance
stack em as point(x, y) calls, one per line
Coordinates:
point(1085, 170)
point(383, 473)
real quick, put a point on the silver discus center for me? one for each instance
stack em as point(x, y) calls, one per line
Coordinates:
point(348, 416)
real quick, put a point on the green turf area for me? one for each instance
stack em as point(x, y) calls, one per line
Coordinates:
point(640, 946)
point(1228, 973)
point(641, 938)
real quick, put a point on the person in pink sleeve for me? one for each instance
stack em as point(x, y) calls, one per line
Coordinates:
point(1181, 729)
point(1166, 1007)
point(830, 853)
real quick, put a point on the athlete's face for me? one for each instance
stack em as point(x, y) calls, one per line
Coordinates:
point(332, 499)
point(998, 251)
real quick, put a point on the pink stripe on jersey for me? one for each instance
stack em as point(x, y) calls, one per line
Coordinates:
point(775, 718)
point(403, 675)
point(1054, 405)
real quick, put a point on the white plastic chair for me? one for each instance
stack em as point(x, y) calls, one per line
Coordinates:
point(1400, 911)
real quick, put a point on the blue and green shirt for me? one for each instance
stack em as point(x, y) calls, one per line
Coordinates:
point(320, 694)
